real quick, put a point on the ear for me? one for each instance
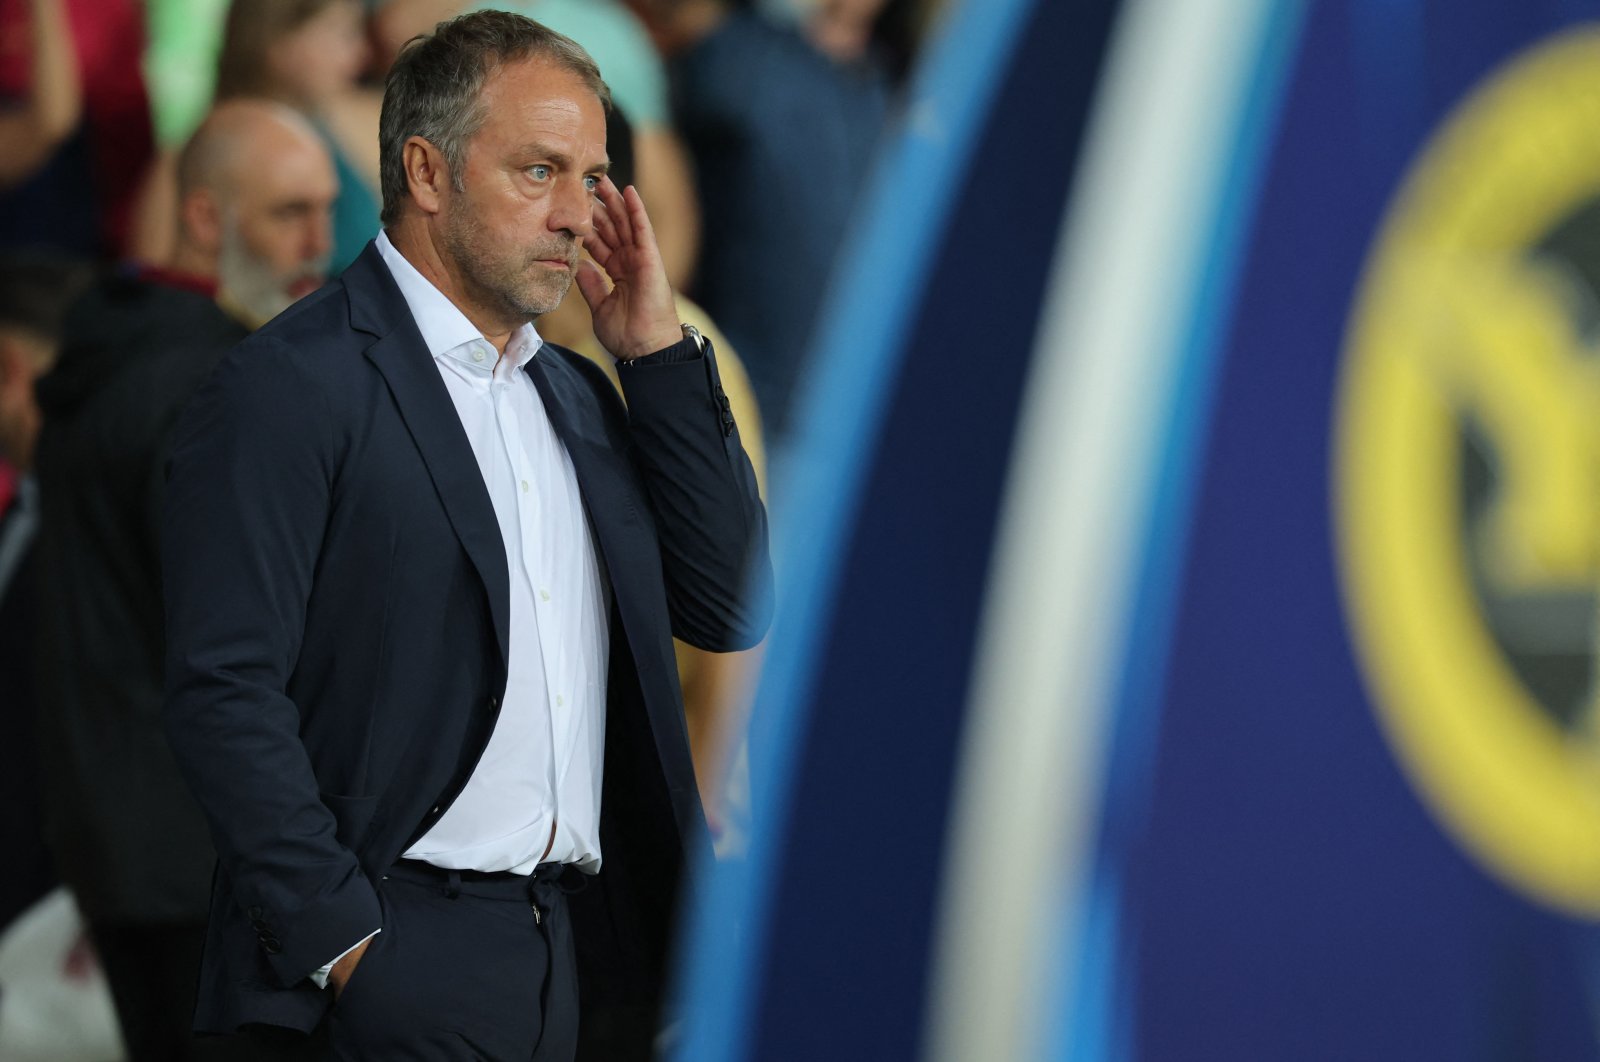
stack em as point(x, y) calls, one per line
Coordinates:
point(427, 174)
point(201, 217)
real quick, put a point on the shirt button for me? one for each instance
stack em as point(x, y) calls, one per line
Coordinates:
point(524, 486)
point(559, 700)
point(544, 595)
point(478, 354)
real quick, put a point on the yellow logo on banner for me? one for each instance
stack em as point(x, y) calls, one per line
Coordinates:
point(1468, 473)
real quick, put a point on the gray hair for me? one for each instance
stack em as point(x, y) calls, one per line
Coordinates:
point(434, 89)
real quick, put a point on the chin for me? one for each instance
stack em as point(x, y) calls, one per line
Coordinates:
point(537, 304)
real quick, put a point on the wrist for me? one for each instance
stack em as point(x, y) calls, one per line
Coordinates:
point(336, 973)
point(658, 340)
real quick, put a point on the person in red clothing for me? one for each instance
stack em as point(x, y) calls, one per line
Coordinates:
point(79, 196)
point(45, 110)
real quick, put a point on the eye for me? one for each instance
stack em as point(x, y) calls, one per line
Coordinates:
point(539, 173)
point(591, 182)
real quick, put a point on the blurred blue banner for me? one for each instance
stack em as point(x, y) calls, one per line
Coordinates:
point(1188, 560)
point(1373, 829)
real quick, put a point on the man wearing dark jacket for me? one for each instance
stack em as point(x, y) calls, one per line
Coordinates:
point(422, 575)
point(255, 189)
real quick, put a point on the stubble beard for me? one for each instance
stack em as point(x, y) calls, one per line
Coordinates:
point(513, 283)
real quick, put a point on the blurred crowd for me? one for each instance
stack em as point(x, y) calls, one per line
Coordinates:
point(173, 174)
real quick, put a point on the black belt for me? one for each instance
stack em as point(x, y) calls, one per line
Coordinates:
point(491, 884)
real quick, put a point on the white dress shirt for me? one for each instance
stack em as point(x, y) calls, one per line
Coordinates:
point(542, 767)
point(541, 770)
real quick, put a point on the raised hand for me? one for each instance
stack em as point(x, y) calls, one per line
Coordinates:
point(626, 284)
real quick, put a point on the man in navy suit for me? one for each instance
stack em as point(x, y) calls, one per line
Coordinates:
point(422, 575)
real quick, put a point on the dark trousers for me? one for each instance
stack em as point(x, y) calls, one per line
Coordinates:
point(468, 966)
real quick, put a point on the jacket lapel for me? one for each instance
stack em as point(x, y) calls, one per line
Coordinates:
point(377, 307)
point(592, 460)
point(599, 478)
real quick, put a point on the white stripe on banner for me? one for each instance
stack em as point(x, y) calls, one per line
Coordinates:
point(1122, 291)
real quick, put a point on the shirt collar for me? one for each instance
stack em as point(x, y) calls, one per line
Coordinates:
point(445, 329)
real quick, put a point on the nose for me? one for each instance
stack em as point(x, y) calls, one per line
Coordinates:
point(573, 208)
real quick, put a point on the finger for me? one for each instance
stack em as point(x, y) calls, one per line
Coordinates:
point(617, 210)
point(605, 229)
point(604, 220)
point(599, 252)
point(645, 233)
point(592, 285)
point(600, 244)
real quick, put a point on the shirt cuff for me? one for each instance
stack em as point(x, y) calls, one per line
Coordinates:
point(319, 976)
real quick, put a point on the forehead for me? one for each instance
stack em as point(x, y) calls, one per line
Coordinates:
point(537, 101)
point(282, 165)
point(339, 14)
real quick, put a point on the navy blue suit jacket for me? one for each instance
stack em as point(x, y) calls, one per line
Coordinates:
point(337, 599)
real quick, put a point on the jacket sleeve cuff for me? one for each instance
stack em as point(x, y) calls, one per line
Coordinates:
point(684, 350)
point(297, 947)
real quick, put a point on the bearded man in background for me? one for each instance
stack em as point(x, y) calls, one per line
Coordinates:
point(256, 187)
